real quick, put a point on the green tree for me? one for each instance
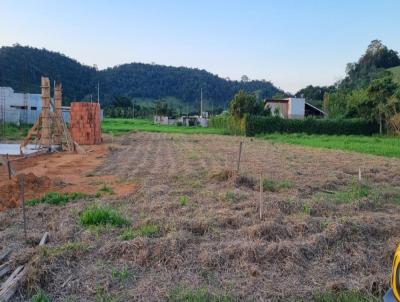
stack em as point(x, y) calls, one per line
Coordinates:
point(121, 102)
point(244, 103)
point(162, 108)
point(376, 59)
point(314, 92)
point(381, 92)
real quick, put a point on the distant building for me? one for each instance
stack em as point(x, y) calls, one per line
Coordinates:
point(194, 121)
point(292, 108)
point(22, 108)
point(184, 120)
point(164, 120)
point(25, 108)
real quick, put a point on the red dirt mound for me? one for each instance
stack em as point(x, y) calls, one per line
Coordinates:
point(10, 192)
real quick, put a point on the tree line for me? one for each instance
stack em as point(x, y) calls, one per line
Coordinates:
point(21, 68)
point(368, 91)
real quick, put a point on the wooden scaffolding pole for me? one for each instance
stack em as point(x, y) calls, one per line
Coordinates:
point(46, 120)
point(58, 114)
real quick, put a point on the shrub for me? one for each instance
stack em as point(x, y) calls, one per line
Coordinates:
point(101, 215)
point(230, 124)
point(254, 124)
point(260, 124)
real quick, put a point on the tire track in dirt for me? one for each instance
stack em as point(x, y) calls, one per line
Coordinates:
point(156, 163)
point(171, 159)
point(146, 159)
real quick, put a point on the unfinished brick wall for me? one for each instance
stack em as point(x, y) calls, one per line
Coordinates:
point(85, 123)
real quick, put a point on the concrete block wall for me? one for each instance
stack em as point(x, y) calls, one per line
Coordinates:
point(85, 123)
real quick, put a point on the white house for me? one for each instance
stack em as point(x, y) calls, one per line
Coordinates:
point(292, 108)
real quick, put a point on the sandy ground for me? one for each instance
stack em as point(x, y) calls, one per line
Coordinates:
point(305, 243)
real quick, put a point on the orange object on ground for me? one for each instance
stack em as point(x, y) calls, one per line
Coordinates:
point(85, 123)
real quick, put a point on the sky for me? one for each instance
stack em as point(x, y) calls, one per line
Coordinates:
point(292, 43)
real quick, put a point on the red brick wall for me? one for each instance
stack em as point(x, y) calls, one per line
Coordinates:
point(85, 123)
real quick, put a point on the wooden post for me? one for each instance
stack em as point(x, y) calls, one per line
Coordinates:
point(8, 167)
point(359, 174)
point(261, 196)
point(22, 189)
point(240, 154)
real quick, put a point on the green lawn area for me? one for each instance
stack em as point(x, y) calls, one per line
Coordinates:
point(376, 145)
point(14, 132)
point(119, 126)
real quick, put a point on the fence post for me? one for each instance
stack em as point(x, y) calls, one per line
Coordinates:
point(261, 196)
point(240, 154)
point(8, 167)
point(22, 191)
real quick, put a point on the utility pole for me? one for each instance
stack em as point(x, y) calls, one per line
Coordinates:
point(133, 108)
point(98, 92)
point(201, 102)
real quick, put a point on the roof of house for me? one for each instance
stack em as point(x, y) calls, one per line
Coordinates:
point(316, 108)
point(276, 100)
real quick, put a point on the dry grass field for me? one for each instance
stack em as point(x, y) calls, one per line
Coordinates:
point(193, 231)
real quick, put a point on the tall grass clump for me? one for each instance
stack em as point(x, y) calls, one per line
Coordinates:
point(228, 123)
point(275, 186)
point(102, 215)
point(55, 198)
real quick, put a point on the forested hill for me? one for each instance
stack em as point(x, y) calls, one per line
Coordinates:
point(21, 68)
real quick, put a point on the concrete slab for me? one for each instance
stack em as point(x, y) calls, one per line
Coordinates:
point(13, 149)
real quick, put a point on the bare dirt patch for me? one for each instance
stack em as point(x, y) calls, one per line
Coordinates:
point(61, 172)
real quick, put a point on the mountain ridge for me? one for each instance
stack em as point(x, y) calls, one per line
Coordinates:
point(22, 66)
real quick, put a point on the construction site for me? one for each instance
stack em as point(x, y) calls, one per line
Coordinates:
point(86, 216)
